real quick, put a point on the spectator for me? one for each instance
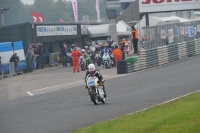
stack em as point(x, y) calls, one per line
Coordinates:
point(117, 53)
point(76, 54)
point(14, 58)
point(34, 56)
point(135, 39)
point(64, 55)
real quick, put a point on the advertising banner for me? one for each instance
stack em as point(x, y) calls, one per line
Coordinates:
point(171, 35)
point(34, 17)
point(163, 34)
point(177, 31)
point(98, 12)
point(182, 31)
point(167, 5)
point(56, 30)
point(40, 17)
point(75, 9)
point(186, 30)
point(191, 31)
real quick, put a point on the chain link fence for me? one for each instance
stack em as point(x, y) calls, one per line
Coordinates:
point(161, 35)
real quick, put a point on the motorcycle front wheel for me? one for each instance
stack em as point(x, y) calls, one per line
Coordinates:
point(93, 97)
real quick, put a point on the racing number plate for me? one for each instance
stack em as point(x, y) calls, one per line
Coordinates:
point(91, 82)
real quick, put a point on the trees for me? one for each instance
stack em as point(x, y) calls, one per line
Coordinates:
point(52, 10)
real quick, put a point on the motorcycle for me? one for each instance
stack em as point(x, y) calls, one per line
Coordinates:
point(96, 92)
point(69, 58)
point(82, 63)
point(106, 61)
point(98, 58)
point(112, 60)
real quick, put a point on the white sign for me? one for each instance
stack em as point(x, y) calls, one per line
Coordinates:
point(75, 9)
point(167, 5)
point(98, 12)
point(198, 27)
point(171, 39)
point(186, 30)
point(56, 30)
point(171, 35)
point(182, 31)
point(163, 34)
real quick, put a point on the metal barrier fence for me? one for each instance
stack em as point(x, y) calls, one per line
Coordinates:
point(54, 59)
point(162, 35)
point(166, 54)
point(11, 69)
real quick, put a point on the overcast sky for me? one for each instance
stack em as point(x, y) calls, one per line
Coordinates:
point(28, 1)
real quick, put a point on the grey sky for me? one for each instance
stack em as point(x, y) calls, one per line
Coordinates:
point(27, 1)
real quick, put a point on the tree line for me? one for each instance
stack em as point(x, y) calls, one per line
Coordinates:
point(51, 10)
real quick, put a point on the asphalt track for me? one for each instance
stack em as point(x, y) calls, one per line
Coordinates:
point(67, 110)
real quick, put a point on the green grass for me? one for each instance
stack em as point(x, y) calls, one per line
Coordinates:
point(179, 116)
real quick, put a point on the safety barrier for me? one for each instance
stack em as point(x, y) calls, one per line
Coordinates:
point(54, 59)
point(11, 69)
point(161, 55)
point(167, 54)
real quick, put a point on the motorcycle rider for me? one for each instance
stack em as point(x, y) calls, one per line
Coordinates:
point(92, 71)
point(88, 54)
point(106, 51)
point(97, 51)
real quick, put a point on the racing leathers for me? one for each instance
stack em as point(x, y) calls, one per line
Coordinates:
point(100, 80)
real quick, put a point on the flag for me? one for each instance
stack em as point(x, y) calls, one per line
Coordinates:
point(41, 18)
point(34, 17)
point(75, 9)
point(61, 20)
point(98, 12)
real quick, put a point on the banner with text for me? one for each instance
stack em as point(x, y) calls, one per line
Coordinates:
point(98, 12)
point(75, 9)
point(56, 30)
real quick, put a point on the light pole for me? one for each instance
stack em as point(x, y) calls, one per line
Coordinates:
point(1, 11)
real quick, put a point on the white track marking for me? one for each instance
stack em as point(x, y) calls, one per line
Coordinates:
point(66, 86)
point(29, 93)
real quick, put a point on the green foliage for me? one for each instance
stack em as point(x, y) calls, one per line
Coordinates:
point(51, 10)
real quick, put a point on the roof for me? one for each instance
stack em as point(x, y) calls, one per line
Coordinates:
point(171, 18)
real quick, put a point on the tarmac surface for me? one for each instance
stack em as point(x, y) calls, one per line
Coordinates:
point(53, 100)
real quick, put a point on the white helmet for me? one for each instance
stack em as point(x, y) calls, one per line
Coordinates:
point(91, 67)
point(83, 50)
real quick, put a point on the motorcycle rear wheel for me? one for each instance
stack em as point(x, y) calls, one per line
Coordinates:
point(103, 100)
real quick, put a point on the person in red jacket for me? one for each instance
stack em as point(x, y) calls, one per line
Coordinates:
point(76, 54)
point(117, 53)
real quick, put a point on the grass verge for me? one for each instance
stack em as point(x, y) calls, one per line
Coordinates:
point(179, 116)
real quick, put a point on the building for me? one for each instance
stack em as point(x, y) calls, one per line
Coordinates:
point(115, 7)
point(51, 35)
